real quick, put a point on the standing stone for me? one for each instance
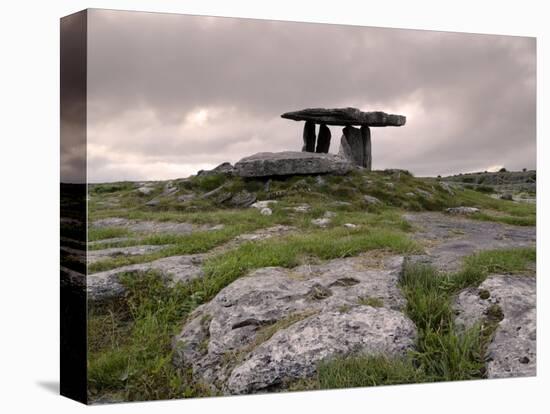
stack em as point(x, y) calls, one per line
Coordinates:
point(367, 161)
point(351, 145)
point(323, 141)
point(309, 137)
point(356, 146)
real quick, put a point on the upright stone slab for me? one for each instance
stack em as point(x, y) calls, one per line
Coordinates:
point(365, 134)
point(309, 137)
point(323, 141)
point(351, 145)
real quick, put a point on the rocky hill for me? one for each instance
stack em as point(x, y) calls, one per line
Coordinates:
point(519, 185)
point(218, 284)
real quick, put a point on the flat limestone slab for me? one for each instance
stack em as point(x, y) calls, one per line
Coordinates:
point(266, 164)
point(513, 350)
point(346, 116)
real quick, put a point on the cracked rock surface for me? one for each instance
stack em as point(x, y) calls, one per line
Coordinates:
point(106, 285)
point(451, 238)
point(220, 338)
point(512, 352)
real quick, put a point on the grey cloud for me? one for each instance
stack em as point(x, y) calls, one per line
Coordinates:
point(470, 99)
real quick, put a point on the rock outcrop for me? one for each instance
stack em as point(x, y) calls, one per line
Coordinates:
point(512, 300)
point(317, 309)
point(268, 164)
point(293, 353)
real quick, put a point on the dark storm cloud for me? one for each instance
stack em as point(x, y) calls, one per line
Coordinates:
point(169, 94)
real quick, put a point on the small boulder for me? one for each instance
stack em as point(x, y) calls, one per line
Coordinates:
point(321, 222)
point(242, 199)
point(153, 203)
point(223, 168)
point(302, 208)
point(462, 210)
point(370, 200)
point(145, 190)
point(350, 225)
point(263, 204)
point(447, 187)
point(186, 197)
point(266, 211)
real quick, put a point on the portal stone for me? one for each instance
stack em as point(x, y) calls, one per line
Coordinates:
point(367, 161)
point(323, 141)
point(351, 145)
point(309, 137)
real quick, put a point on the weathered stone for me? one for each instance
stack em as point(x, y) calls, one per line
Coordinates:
point(512, 351)
point(351, 145)
point(147, 226)
point(321, 222)
point(350, 225)
point(323, 140)
point(153, 203)
point(222, 333)
point(266, 211)
point(186, 197)
point(146, 190)
point(263, 204)
point(294, 353)
point(451, 238)
point(346, 116)
point(367, 155)
point(370, 200)
point(301, 208)
point(223, 168)
point(266, 164)
point(462, 210)
point(94, 256)
point(106, 285)
point(447, 187)
point(309, 137)
point(242, 199)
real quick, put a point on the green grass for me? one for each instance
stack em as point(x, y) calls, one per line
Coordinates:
point(364, 371)
point(502, 211)
point(293, 250)
point(102, 233)
point(198, 242)
point(140, 368)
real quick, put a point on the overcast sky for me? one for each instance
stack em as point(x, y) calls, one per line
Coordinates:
point(171, 94)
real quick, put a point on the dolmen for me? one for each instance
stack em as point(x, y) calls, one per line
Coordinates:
point(355, 144)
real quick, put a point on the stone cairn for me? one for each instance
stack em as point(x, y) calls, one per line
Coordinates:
point(355, 144)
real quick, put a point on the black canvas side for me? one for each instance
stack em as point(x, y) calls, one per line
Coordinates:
point(73, 79)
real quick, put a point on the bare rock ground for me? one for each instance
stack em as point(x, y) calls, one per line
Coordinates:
point(449, 239)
